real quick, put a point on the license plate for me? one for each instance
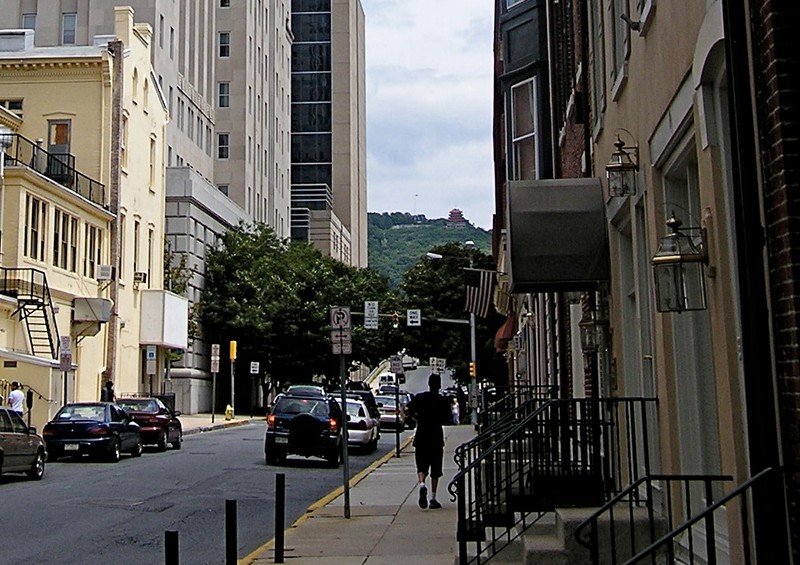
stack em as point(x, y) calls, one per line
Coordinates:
point(72, 447)
point(281, 440)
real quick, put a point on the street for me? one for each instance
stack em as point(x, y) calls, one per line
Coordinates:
point(90, 512)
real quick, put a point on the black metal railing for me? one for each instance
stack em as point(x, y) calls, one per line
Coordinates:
point(58, 167)
point(29, 286)
point(565, 452)
point(643, 512)
point(501, 403)
point(697, 540)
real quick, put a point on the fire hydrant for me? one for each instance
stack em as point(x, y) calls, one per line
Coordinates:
point(229, 412)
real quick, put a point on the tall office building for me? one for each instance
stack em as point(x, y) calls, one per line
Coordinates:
point(329, 195)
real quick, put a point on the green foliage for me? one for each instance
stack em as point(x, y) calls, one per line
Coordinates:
point(396, 241)
point(274, 299)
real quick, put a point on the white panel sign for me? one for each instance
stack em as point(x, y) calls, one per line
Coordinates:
point(413, 317)
point(371, 314)
point(396, 364)
point(254, 367)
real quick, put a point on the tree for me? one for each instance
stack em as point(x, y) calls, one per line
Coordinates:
point(437, 288)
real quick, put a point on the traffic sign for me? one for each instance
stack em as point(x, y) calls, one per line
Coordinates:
point(413, 317)
point(66, 345)
point(254, 367)
point(215, 364)
point(340, 317)
point(342, 342)
point(371, 314)
point(396, 364)
point(150, 356)
point(215, 350)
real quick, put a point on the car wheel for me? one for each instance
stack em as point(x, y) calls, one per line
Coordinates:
point(333, 455)
point(271, 458)
point(114, 453)
point(178, 442)
point(137, 450)
point(162, 441)
point(36, 471)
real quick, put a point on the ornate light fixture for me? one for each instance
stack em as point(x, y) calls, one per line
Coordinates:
point(593, 332)
point(679, 270)
point(622, 168)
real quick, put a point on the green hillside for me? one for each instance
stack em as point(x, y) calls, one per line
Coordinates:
point(397, 240)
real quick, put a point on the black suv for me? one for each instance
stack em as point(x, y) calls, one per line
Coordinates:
point(304, 425)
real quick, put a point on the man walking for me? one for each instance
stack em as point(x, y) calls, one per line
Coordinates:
point(15, 398)
point(431, 411)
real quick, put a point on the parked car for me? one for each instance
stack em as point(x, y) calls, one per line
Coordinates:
point(22, 450)
point(101, 429)
point(391, 417)
point(368, 399)
point(306, 390)
point(304, 425)
point(158, 424)
point(362, 429)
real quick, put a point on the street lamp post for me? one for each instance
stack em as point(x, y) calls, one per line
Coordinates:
point(473, 385)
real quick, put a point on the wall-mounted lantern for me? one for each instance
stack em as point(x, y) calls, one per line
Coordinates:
point(593, 332)
point(679, 270)
point(621, 170)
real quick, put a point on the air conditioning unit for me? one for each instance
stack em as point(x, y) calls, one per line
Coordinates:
point(140, 277)
point(104, 272)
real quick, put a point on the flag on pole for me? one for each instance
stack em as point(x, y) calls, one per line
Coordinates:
point(479, 285)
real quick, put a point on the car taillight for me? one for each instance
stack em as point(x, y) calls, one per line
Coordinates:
point(271, 421)
point(333, 425)
point(48, 432)
point(97, 431)
point(360, 425)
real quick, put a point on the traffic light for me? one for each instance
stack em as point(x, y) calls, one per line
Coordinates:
point(395, 320)
point(472, 369)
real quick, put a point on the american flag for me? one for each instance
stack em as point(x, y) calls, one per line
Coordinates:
point(479, 285)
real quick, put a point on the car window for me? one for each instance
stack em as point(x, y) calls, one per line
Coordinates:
point(139, 405)
point(17, 423)
point(161, 406)
point(82, 412)
point(5, 422)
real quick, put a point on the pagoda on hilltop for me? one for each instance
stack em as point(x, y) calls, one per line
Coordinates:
point(456, 219)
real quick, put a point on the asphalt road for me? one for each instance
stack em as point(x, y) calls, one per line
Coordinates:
point(86, 512)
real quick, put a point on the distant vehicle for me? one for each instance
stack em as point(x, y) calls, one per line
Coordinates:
point(386, 379)
point(410, 363)
point(306, 390)
point(368, 399)
point(357, 385)
point(22, 450)
point(102, 429)
point(304, 425)
point(158, 424)
point(362, 429)
point(391, 416)
point(387, 389)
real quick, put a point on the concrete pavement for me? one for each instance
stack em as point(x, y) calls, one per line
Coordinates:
point(386, 525)
point(198, 423)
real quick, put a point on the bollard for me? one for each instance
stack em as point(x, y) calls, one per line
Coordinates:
point(280, 507)
point(231, 549)
point(171, 549)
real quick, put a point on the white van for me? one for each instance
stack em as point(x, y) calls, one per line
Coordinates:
point(386, 379)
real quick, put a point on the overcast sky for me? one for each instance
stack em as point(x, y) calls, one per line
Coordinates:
point(429, 105)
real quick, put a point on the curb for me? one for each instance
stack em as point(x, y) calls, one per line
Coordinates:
point(324, 501)
point(217, 426)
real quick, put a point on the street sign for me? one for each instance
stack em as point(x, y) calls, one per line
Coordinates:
point(254, 367)
point(396, 364)
point(215, 350)
point(371, 314)
point(437, 365)
point(342, 342)
point(340, 317)
point(66, 345)
point(151, 360)
point(413, 317)
point(215, 364)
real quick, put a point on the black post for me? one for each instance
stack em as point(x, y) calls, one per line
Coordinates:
point(231, 549)
point(397, 414)
point(280, 506)
point(171, 548)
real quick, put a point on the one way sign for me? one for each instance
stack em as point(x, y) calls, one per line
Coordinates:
point(413, 318)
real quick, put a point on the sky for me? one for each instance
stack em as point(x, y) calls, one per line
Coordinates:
point(429, 105)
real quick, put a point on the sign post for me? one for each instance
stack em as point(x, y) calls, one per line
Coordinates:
point(214, 371)
point(342, 345)
point(253, 372)
point(65, 358)
point(233, 372)
point(151, 364)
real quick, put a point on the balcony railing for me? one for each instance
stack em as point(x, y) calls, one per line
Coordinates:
point(58, 167)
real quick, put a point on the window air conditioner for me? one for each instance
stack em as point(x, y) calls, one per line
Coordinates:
point(104, 272)
point(140, 277)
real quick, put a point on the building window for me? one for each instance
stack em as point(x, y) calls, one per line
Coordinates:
point(161, 31)
point(136, 246)
point(224, 94)
point(223, 188)
point(121, 267)
point(523, 130)
point(145, 95)
point(224, 44)
point(152, 177)
point(223, 145)
point(65, 235)
point(171, 42)
point(224, 3)
point(123, 151)
point(135, 93)
point(150, 254)
point(69, 23)
point(28, 21)
point(35, 228)
point(620, 45)
point(92, 249)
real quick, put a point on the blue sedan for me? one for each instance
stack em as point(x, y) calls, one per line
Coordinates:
point(101, 429)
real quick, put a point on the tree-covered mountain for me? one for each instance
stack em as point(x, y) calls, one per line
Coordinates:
point(397, 240)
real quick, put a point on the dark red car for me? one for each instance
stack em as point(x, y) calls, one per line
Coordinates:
point(159, 425)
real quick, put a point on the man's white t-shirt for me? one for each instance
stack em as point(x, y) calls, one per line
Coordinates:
point(16, 399)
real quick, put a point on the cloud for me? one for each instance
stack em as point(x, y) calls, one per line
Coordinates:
point(429, 104)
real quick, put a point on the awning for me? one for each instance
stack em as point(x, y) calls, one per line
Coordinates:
point(505, 333)
point(557, 239)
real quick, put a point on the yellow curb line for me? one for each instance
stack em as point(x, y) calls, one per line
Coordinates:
point(324, 501)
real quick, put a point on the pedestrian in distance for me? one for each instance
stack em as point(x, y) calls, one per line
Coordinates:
point(16, 398)
point(431, 411)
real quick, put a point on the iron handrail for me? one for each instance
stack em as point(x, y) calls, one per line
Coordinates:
point(631, 495)
point(707, 516)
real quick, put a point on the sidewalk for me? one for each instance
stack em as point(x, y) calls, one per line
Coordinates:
point(386, 526)
point(197, 423)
